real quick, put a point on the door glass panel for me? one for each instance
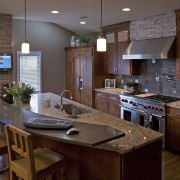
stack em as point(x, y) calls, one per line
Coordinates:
point(29, 69)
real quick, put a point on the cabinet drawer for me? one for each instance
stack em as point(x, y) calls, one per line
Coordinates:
point(113, 97)
point(101, 94)
point(173, 112)
point(83, 52)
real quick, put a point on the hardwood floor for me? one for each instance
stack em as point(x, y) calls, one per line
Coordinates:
point(170, 167)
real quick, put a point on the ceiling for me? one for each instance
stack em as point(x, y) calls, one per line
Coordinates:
point(71, 11)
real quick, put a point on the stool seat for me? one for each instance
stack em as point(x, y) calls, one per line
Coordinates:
point(28, 164)
point(43, 157)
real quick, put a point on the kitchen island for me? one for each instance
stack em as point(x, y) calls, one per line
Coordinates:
point(137, 155)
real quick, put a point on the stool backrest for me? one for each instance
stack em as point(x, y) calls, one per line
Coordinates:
point(19, 145)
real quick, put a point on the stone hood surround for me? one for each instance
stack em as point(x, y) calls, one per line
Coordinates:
point(135, 135)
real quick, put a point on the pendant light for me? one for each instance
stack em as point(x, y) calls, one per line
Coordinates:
point(101, 41)
point(25, 45)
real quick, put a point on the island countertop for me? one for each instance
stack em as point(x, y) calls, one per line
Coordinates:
point(135, 135)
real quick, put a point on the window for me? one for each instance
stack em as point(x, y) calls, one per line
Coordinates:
point(29, 69)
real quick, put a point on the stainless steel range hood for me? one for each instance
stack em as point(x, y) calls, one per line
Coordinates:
point(159, 48)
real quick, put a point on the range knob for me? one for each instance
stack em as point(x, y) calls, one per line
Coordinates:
point(156, 108)
point(125, 100)
point(131, 102)
point(145, 107)
point(149, 107)
point(161, 109)
point(152, 107)
point(122, 100)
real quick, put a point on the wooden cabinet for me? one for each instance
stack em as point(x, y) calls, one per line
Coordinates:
point(117, 37)
point(101, 102)
point(178, 44)
point(173, 128)
point(108, 103)
point(84, 72)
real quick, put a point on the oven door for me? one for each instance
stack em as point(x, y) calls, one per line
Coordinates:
point(129, 114)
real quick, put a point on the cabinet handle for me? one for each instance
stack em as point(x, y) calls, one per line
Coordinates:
point(81, 84)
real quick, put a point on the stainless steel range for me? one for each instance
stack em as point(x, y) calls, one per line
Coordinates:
point(147, 110)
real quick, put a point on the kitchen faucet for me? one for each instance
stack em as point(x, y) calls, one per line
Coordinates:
point(61, 104)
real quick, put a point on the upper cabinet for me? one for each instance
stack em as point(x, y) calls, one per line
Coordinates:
point(178, 44)
point(117, 37)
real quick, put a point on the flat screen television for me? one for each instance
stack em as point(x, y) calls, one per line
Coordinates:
point(6, 62)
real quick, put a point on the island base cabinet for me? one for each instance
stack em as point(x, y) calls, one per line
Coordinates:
point(90, 163)
point(143, 163)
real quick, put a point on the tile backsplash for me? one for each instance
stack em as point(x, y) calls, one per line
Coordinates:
point(158, 77)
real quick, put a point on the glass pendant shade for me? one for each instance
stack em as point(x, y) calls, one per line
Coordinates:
point(25, 47)
point(101, 44)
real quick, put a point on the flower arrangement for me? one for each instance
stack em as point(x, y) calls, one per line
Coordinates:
point(20, 91)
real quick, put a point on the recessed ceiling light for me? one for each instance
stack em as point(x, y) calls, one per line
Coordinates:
point(82, 22)
point(55, 12)
point(83, 19)
point(126, 9)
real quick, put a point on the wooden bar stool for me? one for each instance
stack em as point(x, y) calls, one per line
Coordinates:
point(3, 149)
point(29, 164)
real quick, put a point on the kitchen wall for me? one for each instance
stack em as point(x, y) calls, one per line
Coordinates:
point(162, 25)
point(50, 39)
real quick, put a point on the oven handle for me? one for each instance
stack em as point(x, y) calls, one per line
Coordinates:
point(156, 115)
point(134, 109)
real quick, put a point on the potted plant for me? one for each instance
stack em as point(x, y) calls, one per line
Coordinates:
point(26, 94)
point(131, 87)
point(84, 39)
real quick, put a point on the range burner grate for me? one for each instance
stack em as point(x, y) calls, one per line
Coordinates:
point(162, 98)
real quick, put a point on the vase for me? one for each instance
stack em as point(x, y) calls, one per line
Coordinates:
point(17, 101)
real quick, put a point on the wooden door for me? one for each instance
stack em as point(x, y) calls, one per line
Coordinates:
point(124, 66)
point(69, 71)
point(111, 63)
point(78, 69)
point(111, 54)
point(86, 74)
point(101, 102)
point(83, 80)
point(114, 102)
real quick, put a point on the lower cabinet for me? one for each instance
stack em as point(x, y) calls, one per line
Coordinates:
point(173, 128)
point(108, 103)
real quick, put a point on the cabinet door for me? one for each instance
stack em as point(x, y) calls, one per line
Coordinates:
point(173, 133)
point(111, 64)
point(78, 69)
point(86, 75)
point(69, 71)
point(124, 66)
point(111, 54)
point(114, 108)
point(82, 84)
point(101, 102)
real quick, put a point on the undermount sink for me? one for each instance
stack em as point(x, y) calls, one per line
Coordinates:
point(72, 109)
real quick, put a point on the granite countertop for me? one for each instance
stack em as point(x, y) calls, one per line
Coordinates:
point(175, 104)
point(135, 136)
point(115, 91)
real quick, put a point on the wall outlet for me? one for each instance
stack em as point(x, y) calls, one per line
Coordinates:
point(136, 80)
point(174, 90)
point(156, 78)
point(145, 90)
point(122, 81)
